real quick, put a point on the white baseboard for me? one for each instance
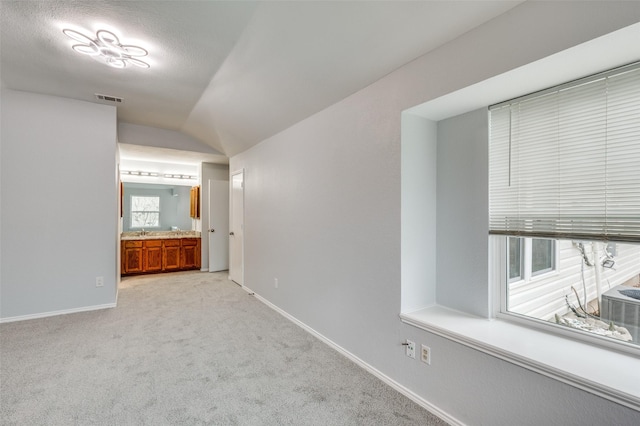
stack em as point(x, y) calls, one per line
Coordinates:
point(388, 380)
point(54, 313)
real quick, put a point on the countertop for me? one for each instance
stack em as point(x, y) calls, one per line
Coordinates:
point(158, 235)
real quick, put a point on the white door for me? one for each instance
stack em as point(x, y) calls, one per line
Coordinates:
point(218, 225)
point(236, 228)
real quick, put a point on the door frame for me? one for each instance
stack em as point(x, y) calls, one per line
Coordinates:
point(231, 218)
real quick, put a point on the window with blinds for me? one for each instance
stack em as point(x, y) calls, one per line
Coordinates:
point(565, 162)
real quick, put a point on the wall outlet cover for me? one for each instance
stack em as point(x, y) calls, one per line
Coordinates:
point(411, 349)
point(425, 354)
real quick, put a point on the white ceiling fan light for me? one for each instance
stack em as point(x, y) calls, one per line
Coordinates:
point(107, 48)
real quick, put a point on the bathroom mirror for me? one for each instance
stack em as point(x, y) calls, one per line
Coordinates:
point(155, 207)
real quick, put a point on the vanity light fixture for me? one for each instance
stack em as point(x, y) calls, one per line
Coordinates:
point(174, 176)
point(106, 47)
point(138, 173)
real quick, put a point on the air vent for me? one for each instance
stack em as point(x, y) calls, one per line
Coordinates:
point(108, 98)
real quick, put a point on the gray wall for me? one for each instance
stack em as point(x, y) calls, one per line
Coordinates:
point(323, 215)
point(174, 211)
point(59, 204)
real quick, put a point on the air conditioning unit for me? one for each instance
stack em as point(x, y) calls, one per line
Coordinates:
point(622, 310)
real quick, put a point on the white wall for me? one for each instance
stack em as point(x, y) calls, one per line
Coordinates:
point(323, 215)
point(59, 204)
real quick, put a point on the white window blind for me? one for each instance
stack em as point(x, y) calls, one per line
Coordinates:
point(565, 162)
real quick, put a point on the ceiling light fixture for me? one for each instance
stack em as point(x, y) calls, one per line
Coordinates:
point(107, 47)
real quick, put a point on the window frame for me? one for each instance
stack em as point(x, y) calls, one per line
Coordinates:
point(144, 211)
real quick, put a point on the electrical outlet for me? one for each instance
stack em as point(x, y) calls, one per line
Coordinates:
point(275, 283)
point(425, 354)
point(411, 349)
point(99, 281)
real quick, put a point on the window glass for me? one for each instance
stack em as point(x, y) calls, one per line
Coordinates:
point(145, 212)
point(515, 259)
point(542, 256)
point(595, 287)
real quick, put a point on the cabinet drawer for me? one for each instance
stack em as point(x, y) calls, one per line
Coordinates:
point(131, 244)
point(187, 242)
point(172, 243)
point(153, 243)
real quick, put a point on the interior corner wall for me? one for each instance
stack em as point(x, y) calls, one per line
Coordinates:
point(323, 215)
point(59, 205)
point(213, 172)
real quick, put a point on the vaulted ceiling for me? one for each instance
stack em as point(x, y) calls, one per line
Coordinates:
point(228, 73)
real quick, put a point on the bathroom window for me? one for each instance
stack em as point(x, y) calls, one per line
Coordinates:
point(564, 182)
point(145, 212)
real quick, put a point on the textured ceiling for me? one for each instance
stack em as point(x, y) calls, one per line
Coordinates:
point(229, 73)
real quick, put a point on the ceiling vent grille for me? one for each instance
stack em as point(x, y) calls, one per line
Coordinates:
point(107, 98)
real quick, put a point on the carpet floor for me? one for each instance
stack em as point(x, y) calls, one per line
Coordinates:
point(188, 348)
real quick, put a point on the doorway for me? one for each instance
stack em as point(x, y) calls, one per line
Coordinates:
point(236, 228)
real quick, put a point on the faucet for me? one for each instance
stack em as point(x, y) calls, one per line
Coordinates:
point(143, 233)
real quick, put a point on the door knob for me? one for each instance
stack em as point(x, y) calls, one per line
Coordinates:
point(212, 230)
point(231, 233)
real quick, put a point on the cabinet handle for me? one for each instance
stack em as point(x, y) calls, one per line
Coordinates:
point(231, 233)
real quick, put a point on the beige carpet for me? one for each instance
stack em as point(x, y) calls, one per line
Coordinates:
point(187, 348)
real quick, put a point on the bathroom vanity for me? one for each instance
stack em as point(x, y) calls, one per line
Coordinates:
point(160, 251)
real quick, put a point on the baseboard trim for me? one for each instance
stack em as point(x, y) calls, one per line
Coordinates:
point(55, 313)
point(369, 368)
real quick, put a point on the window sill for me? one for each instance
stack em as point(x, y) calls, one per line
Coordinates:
point(576, 363)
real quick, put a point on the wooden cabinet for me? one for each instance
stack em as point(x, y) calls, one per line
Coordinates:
point(161, 255)
point(190, 256)
point(171, 255)
point(132, 258)
point(152, 255)
point(195, 202)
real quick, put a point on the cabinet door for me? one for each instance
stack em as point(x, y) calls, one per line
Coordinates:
point(132, 260)
point(171, 255)
point(190, 253)
point(153, 256)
